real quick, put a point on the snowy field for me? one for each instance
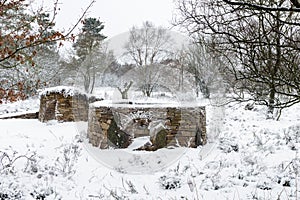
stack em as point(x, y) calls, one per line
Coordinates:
point(248, 157)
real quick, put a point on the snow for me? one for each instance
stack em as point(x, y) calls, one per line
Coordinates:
point(133, 104)
point(65, 90)
point(149, 102)
point(20, 107)
point(248, 157)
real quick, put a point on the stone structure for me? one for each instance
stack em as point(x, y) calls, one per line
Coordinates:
point(115, 125)
point(63, 104)
point(34, 115)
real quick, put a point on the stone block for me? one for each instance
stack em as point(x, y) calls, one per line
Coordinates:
point(186, 134)
point(185, 126)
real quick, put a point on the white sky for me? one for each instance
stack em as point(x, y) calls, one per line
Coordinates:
point(118, 15)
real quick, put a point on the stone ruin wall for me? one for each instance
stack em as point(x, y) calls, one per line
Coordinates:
point(167, 126)
point(116, 126)
point(59, 106)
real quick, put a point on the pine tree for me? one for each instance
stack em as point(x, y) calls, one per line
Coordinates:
point(90, 37)
point(88, 48)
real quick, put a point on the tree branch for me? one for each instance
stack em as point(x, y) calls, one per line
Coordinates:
point(57, 37)
point(264, 8)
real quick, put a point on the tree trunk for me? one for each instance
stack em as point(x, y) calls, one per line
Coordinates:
point(124, 93)
point(274, 71)
point(271, 103)
point(86, 83)
point(93, 81)
point(148, 93)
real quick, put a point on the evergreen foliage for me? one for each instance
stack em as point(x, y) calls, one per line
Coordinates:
point(90, 37)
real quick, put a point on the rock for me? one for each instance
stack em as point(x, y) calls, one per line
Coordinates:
point(59, 106)
point(105, 126)
point(146, 147)
point(159, 140)
point(116, 137)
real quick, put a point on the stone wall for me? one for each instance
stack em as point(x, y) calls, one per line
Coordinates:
point(167, 126)
point(63, 105)
point(33, 115)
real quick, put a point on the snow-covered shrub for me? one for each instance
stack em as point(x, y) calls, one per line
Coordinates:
point(169, 183)
point(65, 163)
point(292, 136)
point(116, 196)
point(131, 187)
point(126, 192)
point(12, 164)
point(213, 175)
point(10, 160)
point(228, 145)
point(173, 178)
point(16, 169)
point(288, 173)
point(265, 184)
point(10, 190)
point(44, 193)
point(266, 140)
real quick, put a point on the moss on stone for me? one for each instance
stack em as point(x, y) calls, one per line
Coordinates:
point(116, 137)
point(161, 139)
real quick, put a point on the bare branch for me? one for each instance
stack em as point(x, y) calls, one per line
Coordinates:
point(252, 6)
point(39, 39)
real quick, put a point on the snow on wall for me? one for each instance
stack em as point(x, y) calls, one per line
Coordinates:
point(148, 103)
point(65, 90)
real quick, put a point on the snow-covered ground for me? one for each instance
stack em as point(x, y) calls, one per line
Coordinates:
point(248, 157)
point(20, 107)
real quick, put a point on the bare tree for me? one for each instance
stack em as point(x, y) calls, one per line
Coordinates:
point(204, 66)
point(148, 78)
point(259, 45)
point(148, 46)
point(124, 88)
